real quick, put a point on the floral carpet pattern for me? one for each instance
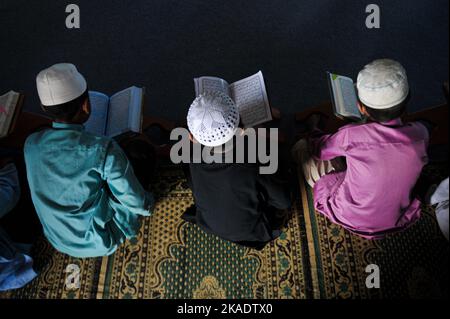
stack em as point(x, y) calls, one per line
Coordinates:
point(312, 259)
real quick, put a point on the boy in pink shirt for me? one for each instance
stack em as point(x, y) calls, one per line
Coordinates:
point(384, 158)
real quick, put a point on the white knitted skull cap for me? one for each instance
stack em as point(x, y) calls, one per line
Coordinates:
point(213, 118)
point(382, 84)
point(60, 83)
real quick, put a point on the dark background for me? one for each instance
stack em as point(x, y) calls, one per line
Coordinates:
point(163, 44)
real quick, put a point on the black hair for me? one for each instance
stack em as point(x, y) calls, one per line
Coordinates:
point(66, 111)
point(387, 114)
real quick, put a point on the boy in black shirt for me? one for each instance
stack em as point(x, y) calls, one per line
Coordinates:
point(233, 200)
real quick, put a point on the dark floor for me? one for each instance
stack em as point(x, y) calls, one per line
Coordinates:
point(163, 44)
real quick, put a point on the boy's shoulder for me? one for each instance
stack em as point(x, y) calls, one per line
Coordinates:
point(45, 137)
point(393, 128)
point(357, 131)
point(101, 139)
point(34, 138)
point(354, 127)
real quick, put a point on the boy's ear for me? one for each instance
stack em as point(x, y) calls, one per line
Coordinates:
point(362, 108)
point(192, 138)
point(86, 107)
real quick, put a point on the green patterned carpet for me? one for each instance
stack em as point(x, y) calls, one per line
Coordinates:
point(312, 259)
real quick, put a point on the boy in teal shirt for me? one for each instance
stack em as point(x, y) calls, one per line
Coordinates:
point(83, 186)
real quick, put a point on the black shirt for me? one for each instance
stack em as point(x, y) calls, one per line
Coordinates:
point(236, 202)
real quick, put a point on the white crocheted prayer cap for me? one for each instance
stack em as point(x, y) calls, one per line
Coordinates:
point(382, 84)
point(213, 118)
point(59, 84)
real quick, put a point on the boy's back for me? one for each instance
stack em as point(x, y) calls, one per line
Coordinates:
point(84, 190)
point(384, 161)
point(235, 202)
point(384, 157)
point(82, 186)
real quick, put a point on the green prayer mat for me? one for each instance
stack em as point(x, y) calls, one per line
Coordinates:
point(312, 259)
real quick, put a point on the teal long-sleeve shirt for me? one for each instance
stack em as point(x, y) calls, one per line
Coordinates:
point(84, 190)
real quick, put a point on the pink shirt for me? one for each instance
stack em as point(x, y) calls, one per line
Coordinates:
point(384, 161)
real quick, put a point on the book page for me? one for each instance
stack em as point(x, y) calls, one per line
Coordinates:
point(250, 97)
point(99, 112)
point(121, 111)
point(345, 100)
point(136, 110)
point(210, 83)
point(8, 104)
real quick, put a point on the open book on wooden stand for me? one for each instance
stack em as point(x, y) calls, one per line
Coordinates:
point(11, 105)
